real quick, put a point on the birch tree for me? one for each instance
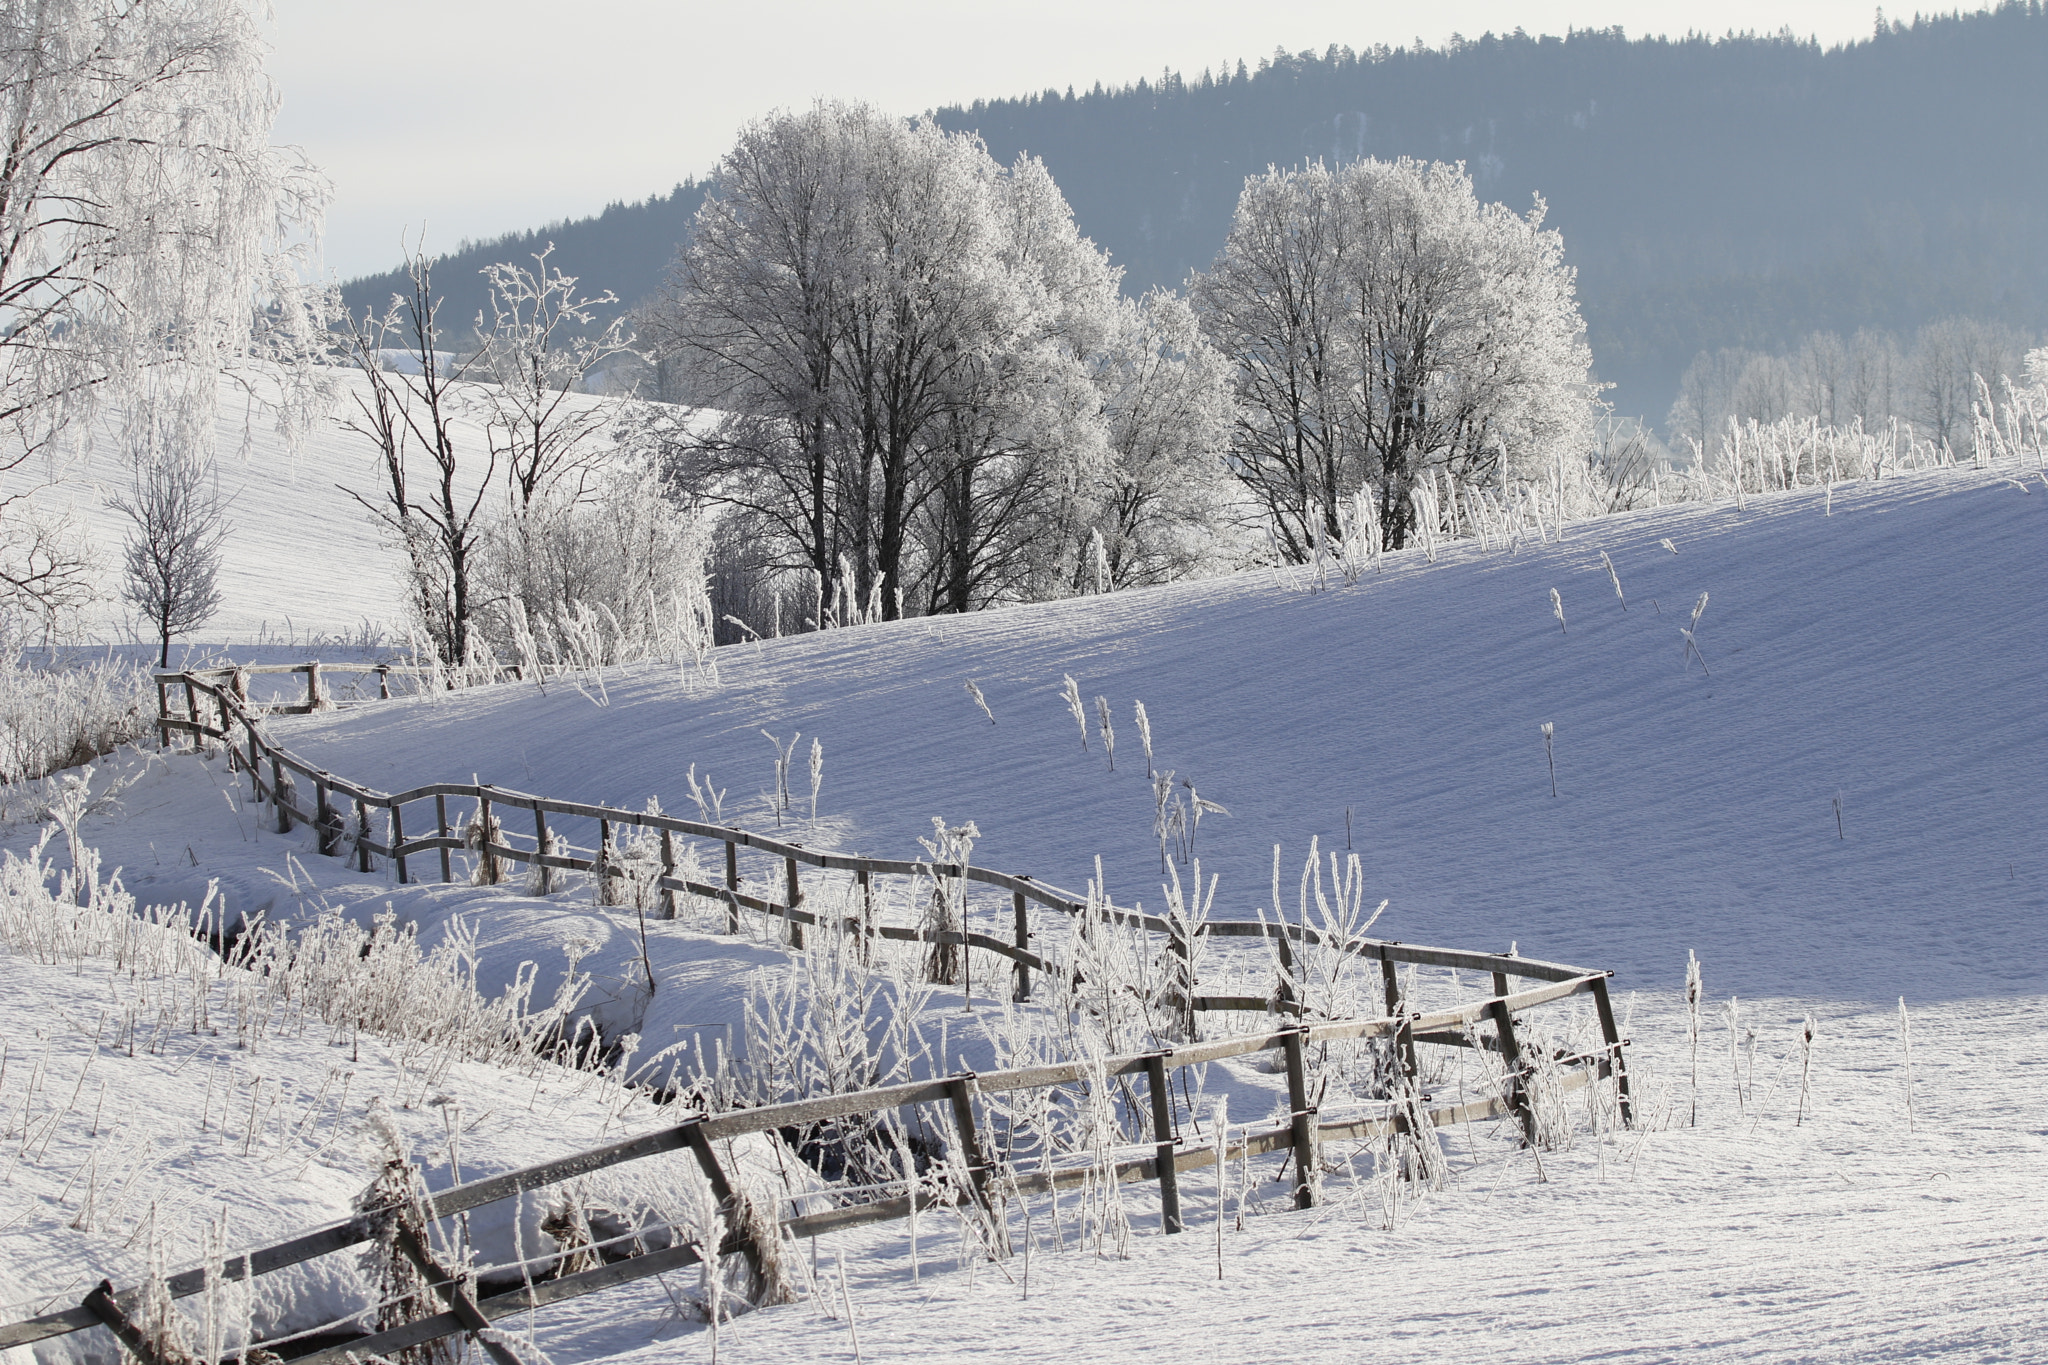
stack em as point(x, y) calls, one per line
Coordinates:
point(145, 241)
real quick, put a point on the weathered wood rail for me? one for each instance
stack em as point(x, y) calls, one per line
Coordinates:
point(1488, 1023)
point(1298, 1138)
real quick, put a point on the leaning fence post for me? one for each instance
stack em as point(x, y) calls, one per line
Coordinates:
point(796, 896)
point(1612, 1034)
point(1511, 1053)
point(732, 887)
point(1301, 1125)
point(102, 1305)
point(1020, 911)
point(960, 1093)
point(721, 1188)
point(668, 870)
point(1404, 1037)
point(1162, 1137)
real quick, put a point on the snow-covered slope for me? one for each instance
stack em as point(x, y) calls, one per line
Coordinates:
point(1890, 653)
point(305, 561)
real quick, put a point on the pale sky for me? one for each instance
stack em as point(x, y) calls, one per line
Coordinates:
point(470, 118)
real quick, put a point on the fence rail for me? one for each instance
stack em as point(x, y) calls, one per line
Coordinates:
point(236, 724)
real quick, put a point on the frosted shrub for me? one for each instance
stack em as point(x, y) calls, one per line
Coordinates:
point(59, 716)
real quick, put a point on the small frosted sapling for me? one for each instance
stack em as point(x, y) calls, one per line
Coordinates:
point(817, 775)
point(1145, 736)
point(1549, 756)
point(1071, 693)
point(980, 701)
point(778, 799)
point(1557, 610)
point(1108, 731)
point(1615, 579)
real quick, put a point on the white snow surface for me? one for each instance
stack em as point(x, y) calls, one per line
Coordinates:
point(1890, 653)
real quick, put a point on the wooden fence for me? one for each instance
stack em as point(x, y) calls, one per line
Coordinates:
point(470, 1309)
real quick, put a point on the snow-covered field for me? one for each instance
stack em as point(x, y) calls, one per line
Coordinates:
point(1888, 656)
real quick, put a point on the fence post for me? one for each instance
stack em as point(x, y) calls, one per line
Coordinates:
point(398, 840)
point(1020, 911)
point(383, 682)
point(1301, 1124)
point(454, 1292)
point(255, 773)
point(732, 887)
point(668, 869)
point(959, 1092)
point(867, 914)
point(1612, 1034)
point(486, 856)
point(163, 712)
point(1162, 1137)
point(1404, 1036)
point(315, 698)
point(441, 832)
point(284, 812)
point(721, 1188)
point(1286, 990)
point(601, 865)
point(325, 834)
point(1511, 1053)
point(540, 847)
point(192, 714)
point(362, 836)
point(102, 1305)
point(796, 896)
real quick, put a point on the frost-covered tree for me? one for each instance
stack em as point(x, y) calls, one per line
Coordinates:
point(1388, 327)
point(145, 238)
point(1166, 510)
point(171, 557)
point(903, 343)
point(538, 353)
point(433, 485)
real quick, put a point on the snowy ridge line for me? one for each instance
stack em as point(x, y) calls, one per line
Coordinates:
point(696, 1133)
point(235, 713)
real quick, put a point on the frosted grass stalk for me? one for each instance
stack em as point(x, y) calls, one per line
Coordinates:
point(1071, 694)
point(1107, 729)
point(980, 701)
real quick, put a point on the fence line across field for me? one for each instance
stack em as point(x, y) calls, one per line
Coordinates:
point(239, 729)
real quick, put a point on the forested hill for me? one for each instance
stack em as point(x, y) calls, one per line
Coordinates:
point(1712, 192)
point(1740, 191)
point(625, 249)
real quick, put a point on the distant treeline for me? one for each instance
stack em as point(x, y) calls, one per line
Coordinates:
point(1741, 191)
